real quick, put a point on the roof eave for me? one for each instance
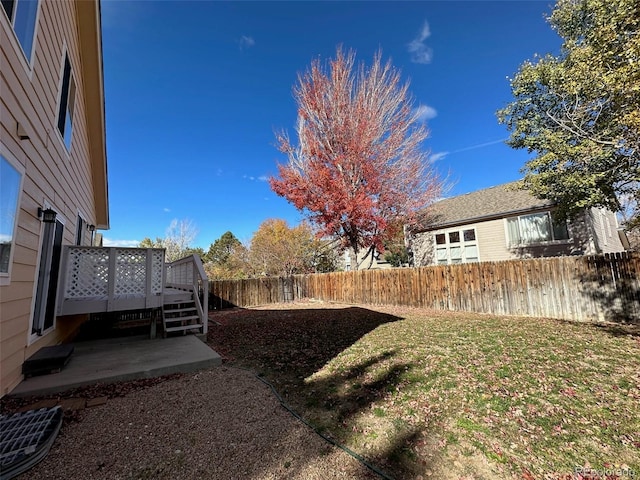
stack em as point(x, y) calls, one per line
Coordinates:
point(90, 42)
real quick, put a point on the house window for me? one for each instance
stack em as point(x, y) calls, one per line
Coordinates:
point(456, 246)
point(535, 228)
point(22, 15)
point(80, 228)
point(67, 102)
point(10, 185)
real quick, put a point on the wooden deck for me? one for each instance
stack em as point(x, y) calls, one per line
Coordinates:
point(97, 304)
point(110, 279)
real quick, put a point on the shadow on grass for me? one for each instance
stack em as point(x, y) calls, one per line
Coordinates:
point(295, 343)
point(346, 408)
point(620, 330)
point(288, 347)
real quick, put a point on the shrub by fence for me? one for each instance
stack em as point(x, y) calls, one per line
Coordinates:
point(573, 288)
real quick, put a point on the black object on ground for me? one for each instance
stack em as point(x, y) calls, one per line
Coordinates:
point(48, 360)
point(25, 439)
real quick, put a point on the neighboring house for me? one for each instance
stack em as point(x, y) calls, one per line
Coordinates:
point(53, 168)
point(503, 223)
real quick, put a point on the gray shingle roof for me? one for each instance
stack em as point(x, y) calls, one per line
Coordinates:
point(495, 202)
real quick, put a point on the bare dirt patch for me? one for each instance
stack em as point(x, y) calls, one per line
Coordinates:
point(218, 424)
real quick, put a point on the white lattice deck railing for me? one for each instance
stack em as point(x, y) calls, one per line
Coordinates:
point(106, 279)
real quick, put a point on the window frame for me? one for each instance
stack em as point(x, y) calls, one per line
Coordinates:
point(81, 226)
point(64, 114)
point(5, 277)
point(460, 244)
point(26, 58)
point(552, 228)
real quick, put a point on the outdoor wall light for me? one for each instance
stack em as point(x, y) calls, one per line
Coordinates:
point(92, 229)
point(22, 133)
point(48, 215)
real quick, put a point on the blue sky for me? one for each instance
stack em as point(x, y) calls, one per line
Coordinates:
point(195, 91)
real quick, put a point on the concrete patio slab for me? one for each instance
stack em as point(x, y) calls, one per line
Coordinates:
point(120, 359)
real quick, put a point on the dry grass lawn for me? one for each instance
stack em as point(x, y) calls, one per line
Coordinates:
point(447, 395)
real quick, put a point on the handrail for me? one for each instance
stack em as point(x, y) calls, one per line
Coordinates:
point(189, 272)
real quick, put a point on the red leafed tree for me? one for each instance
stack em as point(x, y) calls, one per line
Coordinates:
point(359, 165)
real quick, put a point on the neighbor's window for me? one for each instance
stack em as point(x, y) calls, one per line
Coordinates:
point(535, 228)
point(456, 246)
point(9, 193)
point(67, 102)
point(22, 15)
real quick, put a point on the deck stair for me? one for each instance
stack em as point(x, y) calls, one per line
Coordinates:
point(181, 312)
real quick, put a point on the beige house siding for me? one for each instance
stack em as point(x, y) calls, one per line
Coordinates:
point(53, 177)
point(605, 230)
point(492, 241)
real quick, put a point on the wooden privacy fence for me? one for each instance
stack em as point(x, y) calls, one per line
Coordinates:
point(255, 291)
point(603, 287)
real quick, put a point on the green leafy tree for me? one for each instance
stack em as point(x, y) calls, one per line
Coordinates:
point(227, 258)
point(396, 252)
point(579, 111)
point(221, 249)
point(236, 266)
point(195, 251)
point(148, 243)
point(397, 255)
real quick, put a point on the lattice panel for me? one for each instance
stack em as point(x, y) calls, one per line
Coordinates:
point(181, 273)
point(88, 273)
point(157, 265)
point(131, 269)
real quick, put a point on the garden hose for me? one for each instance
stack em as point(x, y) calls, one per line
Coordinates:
point(287, 407)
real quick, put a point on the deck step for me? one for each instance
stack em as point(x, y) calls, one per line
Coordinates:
point(183, 327)
point(181, 319)
point(180, 310)
point(186, 298)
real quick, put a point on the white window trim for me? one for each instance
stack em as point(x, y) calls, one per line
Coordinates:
point(5, 278)
point(15, 43)
point(536, 244)
point(65, 54)
point(34, 337)
point(461, 244)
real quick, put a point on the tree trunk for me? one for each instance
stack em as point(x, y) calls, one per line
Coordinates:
point(353, 259)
